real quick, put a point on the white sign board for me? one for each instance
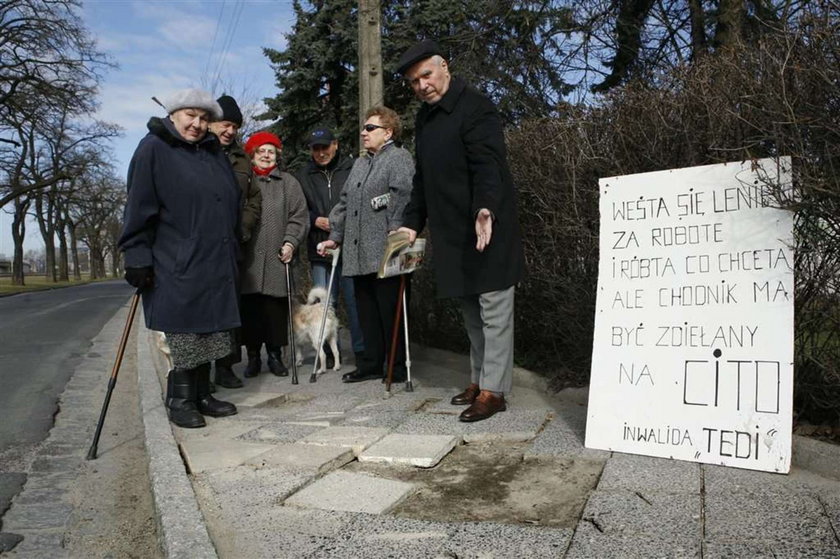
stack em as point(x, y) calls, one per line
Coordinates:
point(693, 349)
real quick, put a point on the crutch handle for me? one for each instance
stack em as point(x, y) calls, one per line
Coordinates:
point(335, 253)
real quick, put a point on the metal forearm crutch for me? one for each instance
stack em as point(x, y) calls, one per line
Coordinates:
point(292, 348)
point(91, 455)
point(334, 252)
point(408, 386)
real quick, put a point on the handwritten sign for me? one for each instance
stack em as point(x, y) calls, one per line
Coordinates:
point(693, 348)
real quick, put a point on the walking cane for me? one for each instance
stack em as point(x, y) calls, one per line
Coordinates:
point(91, 455)
point(394, 333)
point(293, 356)
point(334, 252)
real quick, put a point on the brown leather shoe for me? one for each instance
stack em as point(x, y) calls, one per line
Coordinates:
point(486, 404)
point(467, 396)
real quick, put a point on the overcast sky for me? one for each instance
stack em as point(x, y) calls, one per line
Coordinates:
point(162, 46)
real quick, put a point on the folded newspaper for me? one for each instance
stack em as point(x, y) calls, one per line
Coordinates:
point(399, 257)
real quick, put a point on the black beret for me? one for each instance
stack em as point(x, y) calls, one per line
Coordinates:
point(417, 52)
point(230, 110)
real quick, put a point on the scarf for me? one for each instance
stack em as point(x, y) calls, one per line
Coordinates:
point(263, 172)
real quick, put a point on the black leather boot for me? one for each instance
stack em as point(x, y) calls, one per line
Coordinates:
point(207, 404)
point(224, 374)
point(181, 399)
point(275, 362)
point(254, 365)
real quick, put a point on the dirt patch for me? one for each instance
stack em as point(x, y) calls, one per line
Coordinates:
point(491, 482)
point(114, 514)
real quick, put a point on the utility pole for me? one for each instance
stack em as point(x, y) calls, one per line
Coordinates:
point(370, 56)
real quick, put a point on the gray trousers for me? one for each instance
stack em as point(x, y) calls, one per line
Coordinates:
point(488, 318)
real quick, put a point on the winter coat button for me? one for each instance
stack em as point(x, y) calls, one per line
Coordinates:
point(355, 241)
point(356, 212)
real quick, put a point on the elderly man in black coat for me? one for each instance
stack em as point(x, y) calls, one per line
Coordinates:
point(463, 186)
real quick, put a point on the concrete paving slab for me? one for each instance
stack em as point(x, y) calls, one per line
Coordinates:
point(556, 440)
point(266, 489)
point(417, 539)
point(507, 426)
point(572, 417)
point(277, 433)
point(443, 406)
point(646, 474)
point(508, 540)
point(422, 451)
point(218, 429)
point(334, 402)
point(284, 533)
point(353, 437)
point(767, 519)
point(345, 491)
point(623, 524)
point(719, 479)
point(758, 551)
point(38, 516)
point(297, 456)
point(831, 504)
point(384, 419)
point(37, 545)
point(317, 419)
point(403, 401)
point(244, 399)
point(214, 454)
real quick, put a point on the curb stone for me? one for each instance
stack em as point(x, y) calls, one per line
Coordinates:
point(182, 529)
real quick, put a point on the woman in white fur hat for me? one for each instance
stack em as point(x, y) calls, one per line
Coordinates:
point(180, 245)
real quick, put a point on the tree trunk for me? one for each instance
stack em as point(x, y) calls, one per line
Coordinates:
point(698, 31)
point(730, 19)
point(47, 226)
point(18, 234)
point(63, 272)
point(74, 250)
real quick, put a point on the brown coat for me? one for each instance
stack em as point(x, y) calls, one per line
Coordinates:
point(284, 219)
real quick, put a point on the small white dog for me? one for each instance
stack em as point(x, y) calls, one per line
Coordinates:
point(163, 347)
point(307, 322)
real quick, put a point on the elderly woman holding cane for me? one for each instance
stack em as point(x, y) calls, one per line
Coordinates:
point(180, 244)
point(281, 229)
point(372, 202)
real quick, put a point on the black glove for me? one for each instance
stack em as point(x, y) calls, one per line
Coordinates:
point(140, 277)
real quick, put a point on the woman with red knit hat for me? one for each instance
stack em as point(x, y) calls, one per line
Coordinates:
point(281, 229)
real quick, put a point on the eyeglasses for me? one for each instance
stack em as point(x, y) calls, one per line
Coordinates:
point(372, 127)
point(266, 151)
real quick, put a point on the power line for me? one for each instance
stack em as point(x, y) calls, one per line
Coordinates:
point(231, 33)
point(213, 43)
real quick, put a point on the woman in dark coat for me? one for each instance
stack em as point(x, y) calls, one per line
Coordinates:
point(281, 229)
point(180, 245)
point(371, 205)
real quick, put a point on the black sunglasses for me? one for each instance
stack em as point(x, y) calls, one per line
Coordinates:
point(371, 127)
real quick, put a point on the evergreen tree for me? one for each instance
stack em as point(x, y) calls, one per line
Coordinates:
point(507, 49)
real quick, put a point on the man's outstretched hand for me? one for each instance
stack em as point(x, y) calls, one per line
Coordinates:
point(483, 229)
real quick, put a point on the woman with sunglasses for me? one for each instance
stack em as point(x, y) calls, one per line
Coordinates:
point(371, 205)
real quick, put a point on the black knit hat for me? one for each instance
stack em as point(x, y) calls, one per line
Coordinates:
point(230, 110)
point(417, 52)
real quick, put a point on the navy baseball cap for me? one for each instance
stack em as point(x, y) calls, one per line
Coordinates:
point(321, 137)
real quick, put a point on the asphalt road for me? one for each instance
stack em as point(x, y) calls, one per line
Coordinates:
point(43, 336)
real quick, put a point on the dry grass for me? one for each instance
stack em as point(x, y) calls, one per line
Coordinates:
point(39, 283)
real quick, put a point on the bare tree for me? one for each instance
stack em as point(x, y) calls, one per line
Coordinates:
point(101, 199)
point(47, 60)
